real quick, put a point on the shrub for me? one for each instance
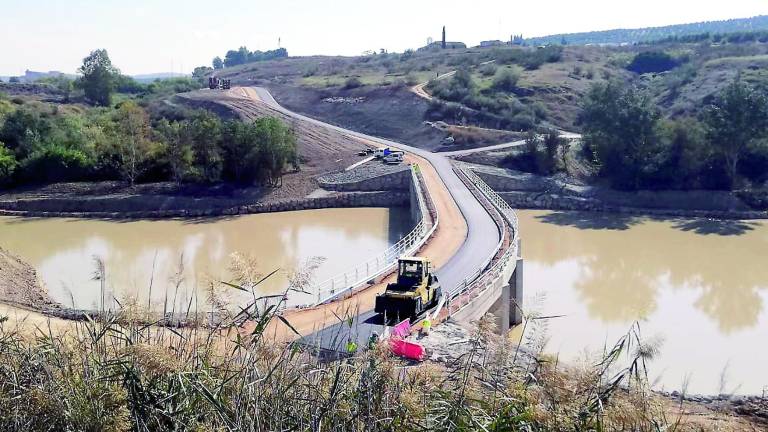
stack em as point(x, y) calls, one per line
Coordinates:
point(506, 79)
point(652, 62)
point(411, 79)
point(8, 165)
point(488, 69)
point(56, 164)
point(352, 83)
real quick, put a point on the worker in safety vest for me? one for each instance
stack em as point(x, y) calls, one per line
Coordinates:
point(373, 340)
point(351, 347)
point(426, 326)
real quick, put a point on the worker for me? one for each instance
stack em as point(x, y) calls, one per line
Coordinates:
point(351, 347)
point(373, 340)
point(426, 326)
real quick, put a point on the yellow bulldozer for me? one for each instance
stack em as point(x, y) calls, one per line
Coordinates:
point(416, 290)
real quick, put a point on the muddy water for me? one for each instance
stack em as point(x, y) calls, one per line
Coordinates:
point(698, 288)
point(63, 251)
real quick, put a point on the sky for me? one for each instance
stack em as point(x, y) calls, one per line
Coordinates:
point(149, 36)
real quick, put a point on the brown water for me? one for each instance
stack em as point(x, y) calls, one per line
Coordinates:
point(63, 251)
point(698, 287)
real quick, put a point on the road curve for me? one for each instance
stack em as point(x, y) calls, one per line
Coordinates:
point(480, 244)
point(482, 232)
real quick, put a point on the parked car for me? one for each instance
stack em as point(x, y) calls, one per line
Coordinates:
point(393, 158)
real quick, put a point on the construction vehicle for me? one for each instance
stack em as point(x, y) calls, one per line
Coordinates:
point(215, 83)
point(416, 290)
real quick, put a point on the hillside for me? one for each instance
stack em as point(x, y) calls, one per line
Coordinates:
point(372, 93)
point(630, 36)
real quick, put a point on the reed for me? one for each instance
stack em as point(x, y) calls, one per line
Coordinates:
point(119, 373)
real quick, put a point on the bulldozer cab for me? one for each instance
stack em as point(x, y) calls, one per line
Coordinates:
point(411, 273)
point(416, 290)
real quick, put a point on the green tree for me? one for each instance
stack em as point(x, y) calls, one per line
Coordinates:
point(8, 164)
point(133, 143)
point(99, 77)
point(279, 149)
point(620, 127)
point(236, 57)
point(736, 120)
point(203, 131)
point(178, 149)
point(24, 131)
point(56, 163)
point(688, 155)
point(258, 151)
point(200, 73)
point(218, 63)
point(652, 62)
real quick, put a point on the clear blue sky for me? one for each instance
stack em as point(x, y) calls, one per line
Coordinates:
point(145, 36)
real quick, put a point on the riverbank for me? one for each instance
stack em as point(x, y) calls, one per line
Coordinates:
point(369, 185)
point(20, 284)
point(528, 191)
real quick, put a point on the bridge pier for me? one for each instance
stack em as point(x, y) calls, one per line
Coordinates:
point(512, 297)
point(511, 312)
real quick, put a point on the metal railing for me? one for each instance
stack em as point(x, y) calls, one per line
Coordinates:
point(490, 277)
point(385, 261)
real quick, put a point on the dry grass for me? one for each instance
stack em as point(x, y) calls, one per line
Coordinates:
point(120, 375)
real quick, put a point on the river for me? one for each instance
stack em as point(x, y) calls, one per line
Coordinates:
point(698, 288)
point(64, 251)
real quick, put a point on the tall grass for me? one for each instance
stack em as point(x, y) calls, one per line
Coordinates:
point(118, 374)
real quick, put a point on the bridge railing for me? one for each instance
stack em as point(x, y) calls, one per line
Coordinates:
point(385, 261)
point(501, 270)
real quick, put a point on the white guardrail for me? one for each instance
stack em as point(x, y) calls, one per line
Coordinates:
point(385, 261)
point(488, 278)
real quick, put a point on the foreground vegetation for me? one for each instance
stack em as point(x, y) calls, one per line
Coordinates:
point(119, 376)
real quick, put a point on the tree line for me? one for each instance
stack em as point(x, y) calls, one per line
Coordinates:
point(243, 56)
point(139, 139)
point(41, 143)
point(724, 147)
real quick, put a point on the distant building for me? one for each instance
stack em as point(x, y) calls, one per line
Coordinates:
point(442, 44)
point(491, 43)
point(32, 76)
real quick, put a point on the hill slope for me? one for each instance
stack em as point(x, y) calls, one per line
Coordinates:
point(628, 36)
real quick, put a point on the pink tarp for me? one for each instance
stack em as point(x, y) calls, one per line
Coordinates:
point(402, 330)
point(403, 348)
point(409, 350)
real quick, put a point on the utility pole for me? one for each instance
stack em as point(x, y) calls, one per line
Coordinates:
point(444, 44)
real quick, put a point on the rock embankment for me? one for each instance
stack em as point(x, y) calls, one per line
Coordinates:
point(104, 209)
point(528, 191)
point(372, 176)
point(20, 285)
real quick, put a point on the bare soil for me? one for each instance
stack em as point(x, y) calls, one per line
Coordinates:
point(20, 285)
point(392, 111)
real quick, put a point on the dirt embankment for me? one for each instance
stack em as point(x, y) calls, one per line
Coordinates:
point(391, 112)
point(20, 285)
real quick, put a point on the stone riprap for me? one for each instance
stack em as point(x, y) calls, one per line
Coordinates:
point(372, 176)
point(528, 191)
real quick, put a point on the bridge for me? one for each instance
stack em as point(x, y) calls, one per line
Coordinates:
point(477, 273)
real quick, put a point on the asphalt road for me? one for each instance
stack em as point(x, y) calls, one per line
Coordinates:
point(481, 243)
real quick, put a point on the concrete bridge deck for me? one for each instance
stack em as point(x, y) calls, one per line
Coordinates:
point(458, 253)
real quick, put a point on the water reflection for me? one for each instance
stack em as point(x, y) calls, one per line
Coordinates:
point(63, 249)
point(706, 279)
